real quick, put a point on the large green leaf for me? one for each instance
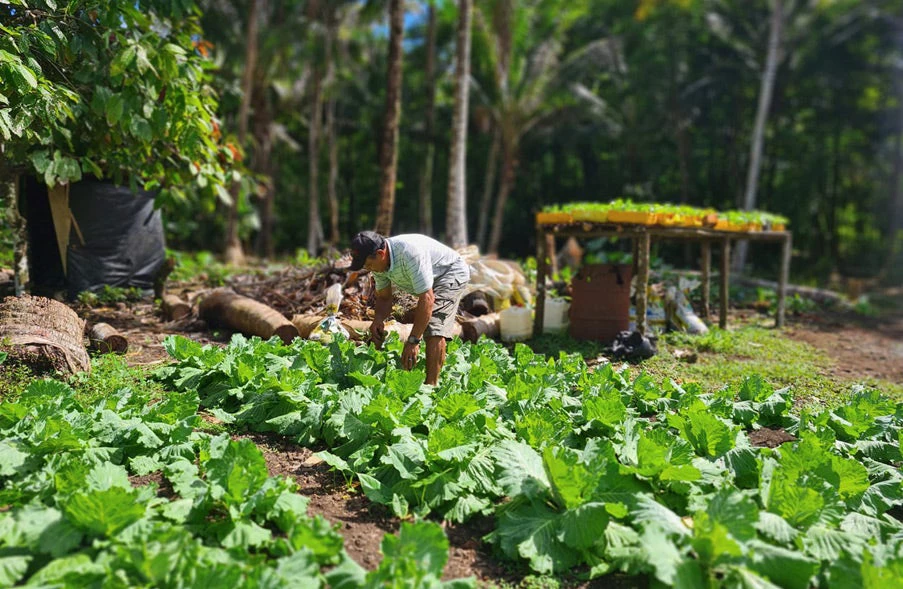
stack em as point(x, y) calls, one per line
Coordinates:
point(236, 469)
point(11, 458)
point(104, 512)
point(783, 567)
point(530, 530)
point(520, 470)
point(12, 569)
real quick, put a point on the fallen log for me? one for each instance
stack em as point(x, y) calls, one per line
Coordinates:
point(105, 339)
point(819, 295)
point(174, 308)
point(42, 334)
point(223, 307)
point(488, 325)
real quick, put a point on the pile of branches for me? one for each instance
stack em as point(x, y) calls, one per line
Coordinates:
point(302, 291)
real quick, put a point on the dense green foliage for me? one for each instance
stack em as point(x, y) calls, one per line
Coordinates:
point(113, 90)
point(76, 512)
point(652, 100)
point(655, 104)
point(584, 467)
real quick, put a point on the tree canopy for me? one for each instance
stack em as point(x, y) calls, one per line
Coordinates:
point(654, 100)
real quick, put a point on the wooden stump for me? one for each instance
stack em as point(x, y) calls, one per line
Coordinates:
point(487, 325)
point(174, 308)
point(43, 334)
point(105, 339)
point(223, 307)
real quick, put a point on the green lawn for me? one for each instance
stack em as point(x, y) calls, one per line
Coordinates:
point(726, 356)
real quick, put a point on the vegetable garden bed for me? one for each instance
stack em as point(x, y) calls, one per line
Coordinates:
point(588, 472)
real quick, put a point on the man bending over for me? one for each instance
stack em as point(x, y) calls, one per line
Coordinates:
point(425, 268)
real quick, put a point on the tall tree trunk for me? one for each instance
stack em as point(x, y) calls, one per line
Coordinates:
point(488, 185)
point(332, 139)
point(456, 213)
point(234, 253)
point(766, 90)
point(426, 176)
point(506, 184)
point(263, 165)
point(388, 154)
point(314, 226)
point(896, 200)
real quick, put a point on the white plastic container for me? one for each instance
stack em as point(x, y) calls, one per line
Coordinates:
point(555, 318)
point(516, 324)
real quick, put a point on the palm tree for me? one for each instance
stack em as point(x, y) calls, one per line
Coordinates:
point(769, 73)
point(388, 147)
point(426, 176)
point(233, 252)
point(456, 215)
point(523, 43)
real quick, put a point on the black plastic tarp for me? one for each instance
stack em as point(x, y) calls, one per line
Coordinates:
point(123, 238)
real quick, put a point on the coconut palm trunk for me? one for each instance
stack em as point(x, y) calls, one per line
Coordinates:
point(233, 253)
point(456, 212)
point(766, 91)
point(388, 153)
point(333, 143)
point(426, 176)
point(506, 184)
point(314, 225)
point(488, 184)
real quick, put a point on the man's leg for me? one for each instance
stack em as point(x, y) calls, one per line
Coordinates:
point(435, 358)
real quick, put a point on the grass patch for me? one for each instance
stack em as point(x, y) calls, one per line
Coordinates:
point(109, 373)
point(725, 357)
point(13, 380)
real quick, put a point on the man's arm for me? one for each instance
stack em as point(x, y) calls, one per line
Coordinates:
point(383, 309)
point(383, 304)
point(422, 313)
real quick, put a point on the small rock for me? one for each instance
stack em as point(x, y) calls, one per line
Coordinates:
point(312, 460)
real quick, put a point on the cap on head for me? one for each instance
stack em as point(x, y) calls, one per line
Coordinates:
point(363, 245)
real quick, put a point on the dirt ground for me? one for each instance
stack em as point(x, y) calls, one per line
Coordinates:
point(860, 348)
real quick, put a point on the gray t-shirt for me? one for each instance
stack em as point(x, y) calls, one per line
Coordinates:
point(416, 261)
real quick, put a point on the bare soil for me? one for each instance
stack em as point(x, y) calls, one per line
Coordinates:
point(363, 523)
point(861, 347)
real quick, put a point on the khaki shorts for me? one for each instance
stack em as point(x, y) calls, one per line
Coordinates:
point(448, 290)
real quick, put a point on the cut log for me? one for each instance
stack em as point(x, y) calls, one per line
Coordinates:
point(487, 325)
point(174, 308)
point(43, 334)
point(223, 307)
point(476, 303)
point(105, 339)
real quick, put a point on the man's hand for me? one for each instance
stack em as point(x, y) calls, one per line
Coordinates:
point(377, 332)
point(409, 355)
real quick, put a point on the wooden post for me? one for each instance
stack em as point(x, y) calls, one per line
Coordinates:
point(725, 277)
point(62, 218)
point(541, 271)
point(552, 254)
point(642, 280)
point(786, 249)
point(706, 279)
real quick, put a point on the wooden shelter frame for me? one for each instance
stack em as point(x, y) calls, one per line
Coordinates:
point(642, 236)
